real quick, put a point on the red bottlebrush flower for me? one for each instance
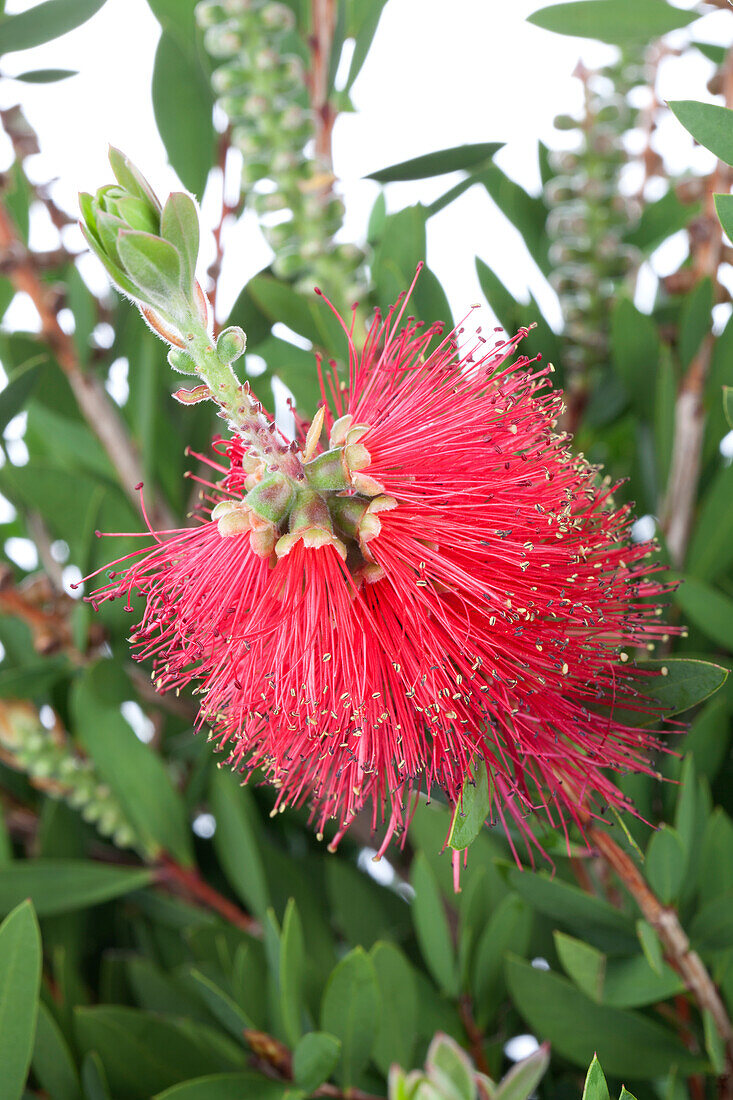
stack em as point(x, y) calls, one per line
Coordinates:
point(454, 586)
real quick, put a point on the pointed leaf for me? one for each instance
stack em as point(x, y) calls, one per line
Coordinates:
point(665, 864)
point(235, 841)
point(431, 926)
point(459, 158)
point(471, 810)
point(595, 1087)
point(179, 224)
point(43, 22)
point(709, 124)
point(183, 105)
point(53, 1063)
point(398, 1012)
point(350, 1011)
point(614, 21)
point(686, 683)
point(151, 264)
point(314, 1059)
point(63, 885)
point(20, 979)
point(522, 1080)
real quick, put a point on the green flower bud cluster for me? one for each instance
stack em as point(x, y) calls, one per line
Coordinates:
point(589, 216)
point(149, 251)
point(450, 1075)
point(261, 86)
point(53, 766)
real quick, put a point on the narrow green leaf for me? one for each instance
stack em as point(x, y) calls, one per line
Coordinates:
point(152, 264)
point(179, 224)
point(292, 961)
point(695, 319)
point(686, 682)
point(471, 810)
point(711, 547)
point(728, 404)
point(314, 1059)
point(43, 22)
point(712, 925)
point(20, 979)
point(660, 219)
point(508, 929)
point(450, 1069)
point(591, 917)
point(724, 209)
point(615, 21)
point(707, 608)
point(635, 348)
point(709, 124)
point(183, 104)
point(628, 1044)
point(220, 1004)
point(714, 1043)
point(363, 37)
point(522, 1079)
point(45, 76)
point(235, 841)
point(350, 1011)
point(431, 926)
point(665, 864)
point(143, 1053)
point(595, 1087)
point(63, 885)
point(460, 158)
point(398, 1007)
point(134, 771)
point(650, 945)
point(586, 965)
point(19, 389)
point(53, 1063)
point(94, 1079)
point(228, 1086)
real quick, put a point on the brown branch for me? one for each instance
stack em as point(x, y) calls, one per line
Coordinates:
point(323, 13)
point(188, 880)
point(679, 954)
point(474, 1034)
point(19, 264)
point(706, 245)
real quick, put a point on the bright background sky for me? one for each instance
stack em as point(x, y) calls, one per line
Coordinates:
point(441, 72)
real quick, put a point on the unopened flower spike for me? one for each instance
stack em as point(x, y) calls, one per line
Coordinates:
point(447, 587)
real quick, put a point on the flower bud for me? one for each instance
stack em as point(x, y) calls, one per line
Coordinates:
point(272, 498)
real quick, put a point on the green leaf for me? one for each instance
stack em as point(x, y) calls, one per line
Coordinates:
point(179, 224)
point(627, 1043)
point(450, 1069)
point(134, 771)
point(361, 909)
point(183, 103)
point(43, 22)
point(695, 320)
point(588, 916)
point(235, 841)
point(431, 926)
point(728, 404)
point(708, 609)
point(595, 1087)
point(635, 349)
point(660, 220)
point(650, 945)
point(153, 265)
point(220, 1004)
point(686, 683)
point(665, 864)
point(709, 124)
point(94, 1079)
point(586, 965)
point(528, 213)
point(20, 980)
point(371, 11)
point(350, 1011)
point(471, 810)
point(522, 1079)
point(711, 547)
point(143, 1053)
point(227, 1086)
point(314, 1059)
point(712, 926)
point(508, 929)
point(714, 1043)
point(460, 158)
point(398, 1007)
point(615, 21)
point(19, 389)
point(53, 1063)
point(724, 209)
point(292, 962)
point(46, 76)
point(63, 885)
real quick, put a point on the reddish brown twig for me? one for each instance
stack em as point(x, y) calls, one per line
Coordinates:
point(275, 1056)
point(189, 881)
point(673, 938)
point(323, 14)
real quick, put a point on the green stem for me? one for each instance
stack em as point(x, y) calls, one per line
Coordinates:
point(241, 407)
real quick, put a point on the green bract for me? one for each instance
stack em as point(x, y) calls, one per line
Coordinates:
point(149, 251)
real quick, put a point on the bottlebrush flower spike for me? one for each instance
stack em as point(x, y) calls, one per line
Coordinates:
point(452, 585)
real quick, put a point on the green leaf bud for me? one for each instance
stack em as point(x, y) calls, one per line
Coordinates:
point(181, 361)
point(231, 344)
